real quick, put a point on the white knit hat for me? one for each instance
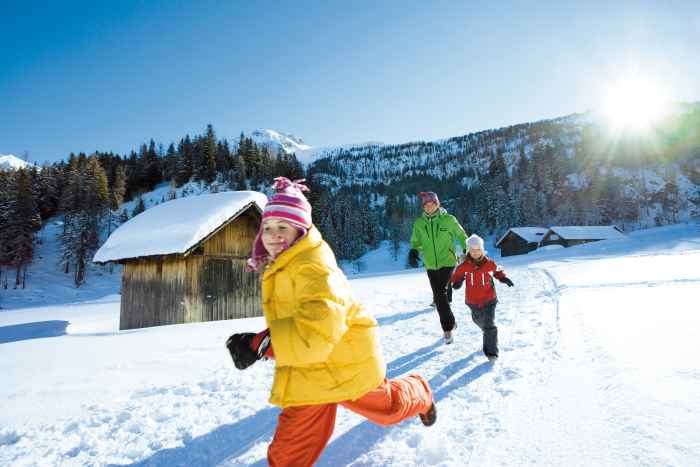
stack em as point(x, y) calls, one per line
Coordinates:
point(474, 241)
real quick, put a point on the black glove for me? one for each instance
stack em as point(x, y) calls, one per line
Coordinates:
point(413, 258)
point(242, 353)
point(457, 285)
point(507, 282)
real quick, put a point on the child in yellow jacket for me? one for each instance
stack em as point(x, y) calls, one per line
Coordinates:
point(323, 341)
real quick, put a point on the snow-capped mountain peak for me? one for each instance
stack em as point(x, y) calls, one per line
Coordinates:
point(11, 162)
point(305, 154)
point(276, 139)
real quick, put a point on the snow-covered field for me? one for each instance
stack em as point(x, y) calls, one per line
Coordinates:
point(599, 347)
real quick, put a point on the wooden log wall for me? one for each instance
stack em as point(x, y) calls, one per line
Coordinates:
point(205, 286)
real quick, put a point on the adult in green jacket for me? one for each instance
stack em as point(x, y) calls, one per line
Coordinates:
point(435, 234)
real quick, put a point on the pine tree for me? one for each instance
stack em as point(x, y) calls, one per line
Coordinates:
point(7, 187)
point(184, 161)
point(393, 224)
point(170, 163)
point(671, 198)
point(139, 208)
point(239, 167)
point(206, 161)
point(610, 200)
point(85, 204)
point(24, 221)
point(223, 157)
point(152, 170)
point(133, 176)
point(116, 195)
point(48, 197)
point(496, 189)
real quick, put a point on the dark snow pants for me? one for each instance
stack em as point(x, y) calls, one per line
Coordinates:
point(484, 317)
point(439, 280)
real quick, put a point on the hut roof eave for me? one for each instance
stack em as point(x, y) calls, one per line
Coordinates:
point(177, 227)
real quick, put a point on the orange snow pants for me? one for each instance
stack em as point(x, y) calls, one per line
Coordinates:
point(302, 432)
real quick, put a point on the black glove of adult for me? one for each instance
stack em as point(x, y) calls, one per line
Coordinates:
point(241, 351)
point(507, 282)
point(413, 258)
point(457, 285)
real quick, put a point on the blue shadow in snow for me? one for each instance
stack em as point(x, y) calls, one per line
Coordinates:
point(358, 440)
point(218, 445)
point(386, 320)
point(440, 391)
point(37, 330)
point(235, 439)
point(408, 362)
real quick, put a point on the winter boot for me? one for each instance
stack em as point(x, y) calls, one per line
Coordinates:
point(428, 418)
point(448, 337)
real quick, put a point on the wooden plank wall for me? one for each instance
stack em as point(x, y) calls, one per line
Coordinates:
point(204, 287)
point(236, 239)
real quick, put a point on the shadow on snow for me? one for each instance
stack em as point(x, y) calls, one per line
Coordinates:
point(37, 330)
point(232, 440)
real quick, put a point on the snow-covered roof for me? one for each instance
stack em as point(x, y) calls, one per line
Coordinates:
point(587, 232)
point(529, 234)
point(176, 226)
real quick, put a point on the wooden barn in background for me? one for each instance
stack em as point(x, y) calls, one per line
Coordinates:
point(184, 260)
point(520, 240)
point(579, 234)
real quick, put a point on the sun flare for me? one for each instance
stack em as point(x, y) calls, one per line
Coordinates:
point(634, 104)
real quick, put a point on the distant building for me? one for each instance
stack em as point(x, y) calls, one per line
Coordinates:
point(184, 260)
point(579, 234)
point(520, 240)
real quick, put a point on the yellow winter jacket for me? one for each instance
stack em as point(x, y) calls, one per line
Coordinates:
point(324, 341)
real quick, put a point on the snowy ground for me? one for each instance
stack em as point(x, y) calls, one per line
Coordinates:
point(599, 366)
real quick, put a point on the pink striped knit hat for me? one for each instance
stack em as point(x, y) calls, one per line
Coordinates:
point(288, 204)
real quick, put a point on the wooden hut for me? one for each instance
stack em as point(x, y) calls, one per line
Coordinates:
point(579, 234)
point(183, 260)
point(520, 240)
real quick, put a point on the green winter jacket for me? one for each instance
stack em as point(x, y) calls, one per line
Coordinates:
point(435, 237)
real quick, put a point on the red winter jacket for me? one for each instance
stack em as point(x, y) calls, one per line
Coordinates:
point(478, 280)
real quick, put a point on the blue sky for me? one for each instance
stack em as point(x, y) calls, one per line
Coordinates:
point(85, 76)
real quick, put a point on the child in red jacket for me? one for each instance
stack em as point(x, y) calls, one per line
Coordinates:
point(478, 271)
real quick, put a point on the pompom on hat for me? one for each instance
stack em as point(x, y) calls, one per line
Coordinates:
point(288, 204)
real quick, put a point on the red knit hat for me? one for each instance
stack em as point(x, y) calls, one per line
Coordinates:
point(428, 197)
point(288, 204)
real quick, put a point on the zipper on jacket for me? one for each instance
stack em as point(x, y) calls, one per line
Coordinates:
point(432, 236)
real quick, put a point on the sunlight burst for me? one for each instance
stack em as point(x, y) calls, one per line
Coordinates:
point(634, 104)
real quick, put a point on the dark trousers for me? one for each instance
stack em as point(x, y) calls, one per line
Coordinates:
point(484, 316)
point(439, 280)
